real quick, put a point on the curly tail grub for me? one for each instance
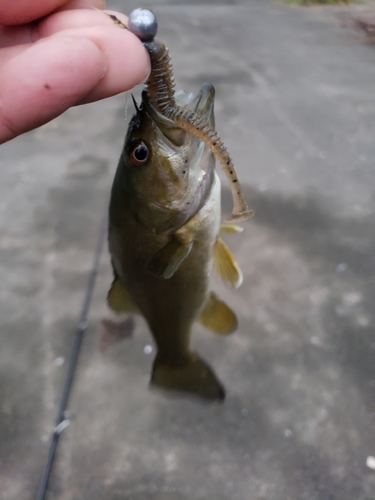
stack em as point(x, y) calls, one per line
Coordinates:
point(160, 84)
point(160, 89)
point(194, 125)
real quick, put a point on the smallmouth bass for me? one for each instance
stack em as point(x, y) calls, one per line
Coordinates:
point(164, 225)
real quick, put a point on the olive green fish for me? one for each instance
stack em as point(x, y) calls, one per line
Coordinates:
point(164, 225)
point(164, 221)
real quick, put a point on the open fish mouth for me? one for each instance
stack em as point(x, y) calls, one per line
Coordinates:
point(190, 205)
point(200, 166)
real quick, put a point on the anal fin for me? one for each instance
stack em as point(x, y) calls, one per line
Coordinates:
point(118, 298)
point(167, 260)
point(225, 264)
point(217, 316)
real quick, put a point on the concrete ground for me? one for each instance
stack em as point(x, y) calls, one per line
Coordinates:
point(296, 108)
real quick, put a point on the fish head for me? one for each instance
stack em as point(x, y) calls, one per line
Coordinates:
point(167, 173)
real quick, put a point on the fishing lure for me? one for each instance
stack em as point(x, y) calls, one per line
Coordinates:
point(160, 88)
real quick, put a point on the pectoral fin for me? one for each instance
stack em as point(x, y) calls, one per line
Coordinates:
point(225, 264)
point(230, 228)
point(118, 299)
point(217, 316)
point(167, 260)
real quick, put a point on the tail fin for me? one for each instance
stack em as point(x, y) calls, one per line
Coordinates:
point(193, 376)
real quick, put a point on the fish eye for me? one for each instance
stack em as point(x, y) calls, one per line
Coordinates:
point(138, 154)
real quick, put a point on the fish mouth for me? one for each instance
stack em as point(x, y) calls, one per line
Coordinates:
point(201, 169)
point(190, 203)
point(179, 212)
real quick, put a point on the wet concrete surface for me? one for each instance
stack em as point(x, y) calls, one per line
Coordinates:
point(295, 106)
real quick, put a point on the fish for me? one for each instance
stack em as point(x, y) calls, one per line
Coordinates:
point(165, 228)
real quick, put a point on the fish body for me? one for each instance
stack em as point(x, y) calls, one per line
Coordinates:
point(164, 224)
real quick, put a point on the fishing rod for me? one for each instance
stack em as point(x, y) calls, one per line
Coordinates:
point(62, 420)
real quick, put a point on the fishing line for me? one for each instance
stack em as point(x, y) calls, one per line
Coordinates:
point(62, 420)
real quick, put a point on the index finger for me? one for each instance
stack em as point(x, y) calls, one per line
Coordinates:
point(14, 12)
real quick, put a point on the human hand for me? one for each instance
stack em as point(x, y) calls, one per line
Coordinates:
point(53, 59)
